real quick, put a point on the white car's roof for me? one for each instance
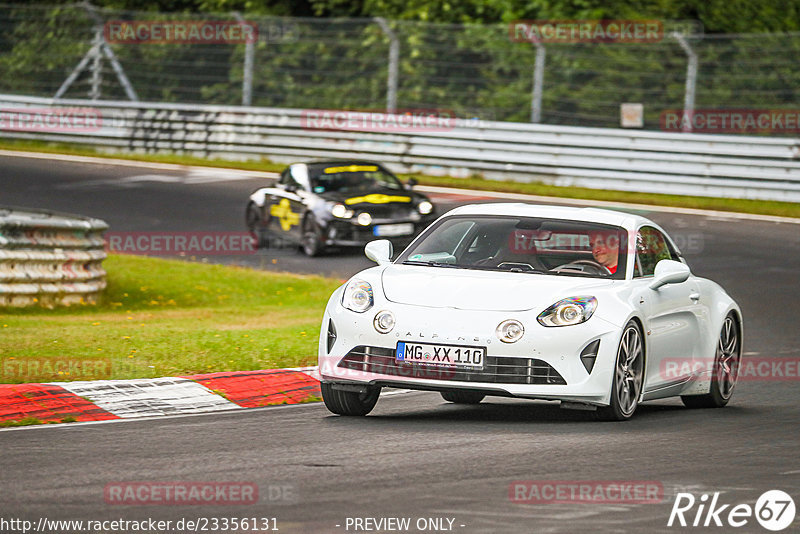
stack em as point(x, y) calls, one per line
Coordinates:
point(595, 215)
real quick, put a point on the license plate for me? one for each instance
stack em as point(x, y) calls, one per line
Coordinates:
point(393, 229)
point(444, 355)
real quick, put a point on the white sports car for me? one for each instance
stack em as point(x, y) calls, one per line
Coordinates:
point(594, 308)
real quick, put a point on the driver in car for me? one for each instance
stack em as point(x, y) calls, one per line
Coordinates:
point(605, 249)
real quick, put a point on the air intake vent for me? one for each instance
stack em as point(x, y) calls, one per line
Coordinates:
point(381, 360)
point(331, 335)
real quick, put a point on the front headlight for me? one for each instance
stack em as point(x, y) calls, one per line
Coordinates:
point(574, 310)
point(341, 211)
point(364, 219)
point(425, 207)
point(357, 296)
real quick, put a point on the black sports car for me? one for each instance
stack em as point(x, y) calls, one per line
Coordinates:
point(337, 203)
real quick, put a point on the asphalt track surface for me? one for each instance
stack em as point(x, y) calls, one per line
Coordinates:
point(415, 456)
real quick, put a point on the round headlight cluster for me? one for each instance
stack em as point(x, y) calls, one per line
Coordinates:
point(510, 331)
point(357, 296)
point(341, 211)
point(425, 207)
point(384, 321)
point(574, 310)
point(364, 219)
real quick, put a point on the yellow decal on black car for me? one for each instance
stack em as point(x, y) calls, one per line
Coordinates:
point(283, 211)
point(351, 168)
point(376, 198)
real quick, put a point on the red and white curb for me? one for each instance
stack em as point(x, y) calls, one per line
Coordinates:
point(102, 400)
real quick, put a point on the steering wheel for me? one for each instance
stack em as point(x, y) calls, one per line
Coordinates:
point(515, 266)
point(578, 265)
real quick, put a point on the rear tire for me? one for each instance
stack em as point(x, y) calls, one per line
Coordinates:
point(726, 369)
point(463, 397)
point(350, 403)
point(257, 225)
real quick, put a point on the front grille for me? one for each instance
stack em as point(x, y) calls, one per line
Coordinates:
point(381, 360)
point(388, 211)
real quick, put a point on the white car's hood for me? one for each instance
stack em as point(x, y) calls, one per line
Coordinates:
point(441, 287)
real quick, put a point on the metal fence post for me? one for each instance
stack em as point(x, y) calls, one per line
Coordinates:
point(538, 83)
point(97, 66)
point(394, 60)
point(691, 80)
point(95, 54)
point(247, 74)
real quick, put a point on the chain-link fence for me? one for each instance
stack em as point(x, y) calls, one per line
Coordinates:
point(370, 64)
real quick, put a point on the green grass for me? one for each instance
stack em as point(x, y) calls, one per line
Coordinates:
point(764, 207)
point(25, 421)
point(167, 318)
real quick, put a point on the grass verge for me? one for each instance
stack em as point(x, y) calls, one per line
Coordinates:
point(763, 207)
point(166, 318)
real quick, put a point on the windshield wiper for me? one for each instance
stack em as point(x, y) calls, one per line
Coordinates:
point(579, 273)
point(504, 269)
point(433, 264)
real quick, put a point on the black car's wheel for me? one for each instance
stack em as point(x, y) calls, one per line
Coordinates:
point(312, 243)
point(628, 376)
point(726, 369)
point(350, 402)
point(463, 397)
point(257, 224)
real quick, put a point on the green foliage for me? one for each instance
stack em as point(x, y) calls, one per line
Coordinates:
point(471, 68)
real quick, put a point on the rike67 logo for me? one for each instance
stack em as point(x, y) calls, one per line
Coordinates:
point(774, 510)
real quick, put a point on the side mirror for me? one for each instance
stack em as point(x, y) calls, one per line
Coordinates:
point(669, 272)
point(411, 183)
point(379, 251)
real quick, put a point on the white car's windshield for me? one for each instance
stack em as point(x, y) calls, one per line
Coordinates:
point(522, 244)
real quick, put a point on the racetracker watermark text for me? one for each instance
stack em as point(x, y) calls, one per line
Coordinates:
point(784, 121)
point(50, 119)
point(412, 120)
point(29, 369)
point(180, 243)
point(585, 491)
point(180, 32)
point(181, 493)
point(750, 369)
point(586, 31)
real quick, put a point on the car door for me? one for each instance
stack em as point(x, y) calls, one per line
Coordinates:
point(671, 314)
point(285, 205)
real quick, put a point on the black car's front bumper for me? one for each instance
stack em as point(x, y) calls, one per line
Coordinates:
point(348, 233)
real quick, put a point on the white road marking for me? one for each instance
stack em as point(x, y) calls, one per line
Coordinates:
point(149, 397)
point(193, 177)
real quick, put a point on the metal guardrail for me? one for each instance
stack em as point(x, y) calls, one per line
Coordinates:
point(50, 259)
point(678, 163)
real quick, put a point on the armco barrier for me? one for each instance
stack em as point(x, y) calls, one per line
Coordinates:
point(730, 166)
point(50, 259)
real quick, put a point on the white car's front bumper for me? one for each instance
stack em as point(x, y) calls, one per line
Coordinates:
point(544, 364)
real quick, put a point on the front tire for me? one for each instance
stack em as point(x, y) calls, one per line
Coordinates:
point(463, 397)
point(312, 243)
point(626, 387)
point(350, 403)
point(726, 369)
